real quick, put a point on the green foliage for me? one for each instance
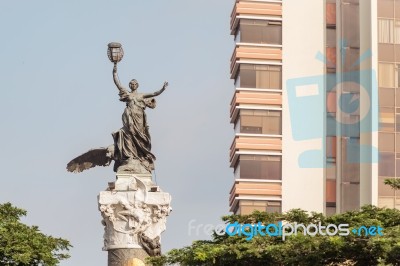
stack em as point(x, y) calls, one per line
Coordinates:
point(298, 249)
point(394, 183)
point(22, 245)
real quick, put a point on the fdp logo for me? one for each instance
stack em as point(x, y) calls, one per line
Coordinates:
point(342, 105)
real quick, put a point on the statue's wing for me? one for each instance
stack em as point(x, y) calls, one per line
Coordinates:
point(92, 158)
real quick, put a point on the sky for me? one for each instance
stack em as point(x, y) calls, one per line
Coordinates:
point(58, 100)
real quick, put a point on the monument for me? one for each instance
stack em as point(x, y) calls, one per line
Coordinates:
point(133, 208)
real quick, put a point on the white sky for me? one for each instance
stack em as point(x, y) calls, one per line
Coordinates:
point(58, 100)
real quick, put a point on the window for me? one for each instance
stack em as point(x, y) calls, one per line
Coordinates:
point(385, 31)
point(384, 190)
point(386, 75)
point(386, 142)
point(274, 206)
point(350, 159)
point(386, 52)
point(330, 191)
point(260, 31)
point(351, 25)
point(386, 164)
point(397, 74)
point(331, 57)
point(386, 119)
point(397, 123)
point(350, 62)
point(350, 197)
point(398, 142)
point(331, 147)
point(331, 14)
point(386, 97)
point(385, 8)
point(397, 31)
point(261, 122)
point(260, 167)
point(260, 76)
point(350, 125)
point(330, 170)
point(248, 206)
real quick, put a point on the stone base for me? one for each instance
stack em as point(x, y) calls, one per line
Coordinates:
point(134, 213)
point(126, 182)
point(127, 257)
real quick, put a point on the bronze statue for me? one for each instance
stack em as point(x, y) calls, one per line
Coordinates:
point(131, 150)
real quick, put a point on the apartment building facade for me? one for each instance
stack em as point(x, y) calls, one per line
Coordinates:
point(314, 108)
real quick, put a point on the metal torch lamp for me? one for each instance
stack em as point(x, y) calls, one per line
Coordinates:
point(115, 52)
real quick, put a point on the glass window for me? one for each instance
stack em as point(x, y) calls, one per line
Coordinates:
point(330, 190)
point(350, 62)
point(397, 123)
point(350, 197)
point(398, 142)
point(384, 190)
point(330, 37)
point(274, 206)
point(330, 211)
point(398, 97)
point(331, 14)
point(386, 97)
point(260, 76)
point(396, 6)
point(386, 119)
point(386, 75)
point(260, 167)
point(350, 159)
point(351, 25)
point(331, 147)
point(260, 31)
point(331, 102)
point(385, 8)
point(331, 57)
point(398, 72)
point(386, 142)
point(398, 170)
point(248, 206)
point(261, 122)
point(387, 202)
point(385, 52)
point(331, 170)
point(350, 125)
point(385, 31)
point(331, 124)
point(386, 164)
point(397, 31)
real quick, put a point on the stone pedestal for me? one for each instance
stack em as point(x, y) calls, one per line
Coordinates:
point(134, 213)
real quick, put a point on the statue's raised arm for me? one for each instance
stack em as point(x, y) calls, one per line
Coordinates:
point(123, 93)
point(154, 94)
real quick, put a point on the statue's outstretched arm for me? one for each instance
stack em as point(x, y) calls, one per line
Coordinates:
point(149, 95)
point(116, 79)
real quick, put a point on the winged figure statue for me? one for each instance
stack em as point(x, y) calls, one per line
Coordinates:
point(131, 150)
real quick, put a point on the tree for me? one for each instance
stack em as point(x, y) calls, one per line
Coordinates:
point(394, 183)
point(23, 245)
point(351, 249)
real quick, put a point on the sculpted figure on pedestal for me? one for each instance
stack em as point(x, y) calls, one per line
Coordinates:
point(131, 150)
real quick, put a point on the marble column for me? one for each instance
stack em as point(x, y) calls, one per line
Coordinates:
point(134, 213)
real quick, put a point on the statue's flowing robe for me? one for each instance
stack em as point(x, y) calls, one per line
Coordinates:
point(133, 141)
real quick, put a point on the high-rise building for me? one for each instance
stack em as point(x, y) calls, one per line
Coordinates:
point(314, 108)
